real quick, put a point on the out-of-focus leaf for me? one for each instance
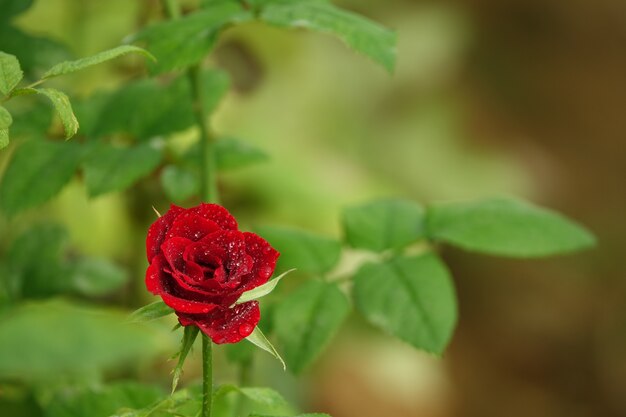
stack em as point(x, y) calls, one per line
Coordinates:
point(32, 121)
point(151, 311)
point(4, 138)
point(239, 352)
point(189, 336)
point(97, 277)
point(361, 34)
point(299, 415)
point(114, 169)
point(264, 396)
point(33, 52)
point(10, 8)
point(306, 321)
point(63, 108)
point(103, 401)
point(232, 153)
point(79, 64)
point(5, 118)
point(383, 224)
point(506, 227)
point(411, 298)
point(182, 403)
point(303, 250)
point(10, 73)
point(40, 340)
point(37, 171)
point(179, 183)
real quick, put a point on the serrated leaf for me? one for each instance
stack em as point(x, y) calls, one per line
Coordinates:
point(63, 107)
point(189, 336)
point(261, 290)
point(306, 321)
point(115, 169)
point(5, 118)
point(306, 251)
point(37, 171)
point(506, 227)
point(179, 183)
point(182, 42)
point(151, 311)
point(97, 277)
point(257, 338)
point(79, 64)
point(10, 73)
point(10, 8)
point(411, 298)
point(383, 224)
point(102, 401)
point(363, 35)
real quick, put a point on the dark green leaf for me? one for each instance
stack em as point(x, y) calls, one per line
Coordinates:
point(264, 396)
point(185, 41)
point(411, 298)
point(506, 227)
point(232, 153)
point(303, 250)
point(63, 108)
point(189, 336)
point(102, 401)
point(179, 183)
point(96, 277)
point(306, 321)
point(10, 73)
point(33, 52)
point(383, 224)
point(37, 172)
point(79, 64)
point(10, 8)
point(361, 34)
point(115, 169)
point(33, 120)
point(151, 311)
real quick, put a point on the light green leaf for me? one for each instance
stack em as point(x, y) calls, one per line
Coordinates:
point(263, 396)
point(5, 118)
point(102, 401)
point(4, 138)
point(37, 172)
point(115, 169)
point(257, 338)
point(63, 108)
point(383, 224)
point(178, 404)
point(361, 34)
point(304, 250)
point(179, 183)
point(10, 73)
point(151, 311)
point(182, 42)
point(411, 298)
point(262, 290)
point(79, 64)
point(189, 336)
point(506, 227)
point(306, 321)
point(97, 277)
point(78, 340)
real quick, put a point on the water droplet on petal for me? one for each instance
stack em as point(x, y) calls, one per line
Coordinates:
point(245, 329)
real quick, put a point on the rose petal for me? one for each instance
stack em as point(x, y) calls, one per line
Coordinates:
point(217, 214)
point(158, 230)
point(191, 226)
point(264, 257)
point(226, 325)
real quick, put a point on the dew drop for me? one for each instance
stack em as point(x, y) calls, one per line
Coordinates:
point(245, 329)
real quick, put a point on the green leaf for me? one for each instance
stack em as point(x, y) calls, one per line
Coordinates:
point(232, 153)
point(304, 250)
point(182, 403)
point(34, 53)
point(411, 298)
point(102, 401)
point(383, 224)
point(182, 42)
point(506, 227)
point(4, 138)
point(306, 321)
point(10, 8)
point(63, 108)
point(299, 415)
point(189, 336)
point(5, 118)
point(262, 290)
point(263, 396)
point(179, 183)
point(258, 339)
point(10, 73)
point(97, 277)
point(115, 169)
point(151, 311)
point(37, 172)
point(45, 340)
point(79, 64)
point(361, 34)
point(239, 353)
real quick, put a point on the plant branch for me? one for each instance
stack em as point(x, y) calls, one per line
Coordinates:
point(207, 376)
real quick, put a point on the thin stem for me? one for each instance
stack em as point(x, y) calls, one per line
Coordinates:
point(207, 376)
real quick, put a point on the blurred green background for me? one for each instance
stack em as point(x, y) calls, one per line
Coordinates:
point(490, 97)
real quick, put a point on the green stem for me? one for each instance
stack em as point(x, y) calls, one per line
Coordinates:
point(244, 380)
point(207, 376)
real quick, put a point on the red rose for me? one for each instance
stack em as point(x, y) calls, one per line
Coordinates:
point(200, 264)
